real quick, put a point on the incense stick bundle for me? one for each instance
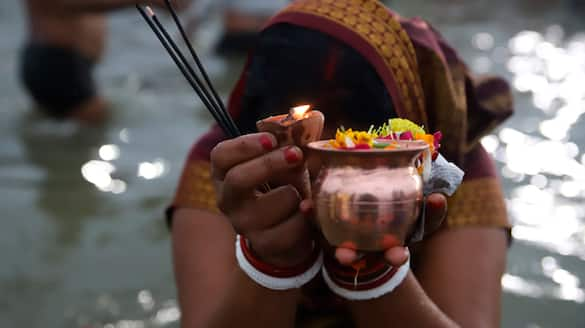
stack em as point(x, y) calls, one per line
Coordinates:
point(205, 91)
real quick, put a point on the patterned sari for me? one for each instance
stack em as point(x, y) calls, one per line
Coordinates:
point(426, 82)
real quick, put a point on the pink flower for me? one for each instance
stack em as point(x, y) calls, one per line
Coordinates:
point(437, 136)
point(362, 146)
point(407, 135)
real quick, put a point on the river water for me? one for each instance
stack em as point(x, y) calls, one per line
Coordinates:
point(83, 243)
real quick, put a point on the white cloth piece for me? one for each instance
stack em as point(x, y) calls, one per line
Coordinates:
point(275, 283)
point(445, 177)
point(362, 295)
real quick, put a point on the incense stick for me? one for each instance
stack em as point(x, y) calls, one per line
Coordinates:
point(216, 108)
point(220, 115)
point(198, 63)
point(203, 92)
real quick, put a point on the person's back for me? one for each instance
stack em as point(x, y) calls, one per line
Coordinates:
point(58, 58)
point(54, 24)
point(66, 39)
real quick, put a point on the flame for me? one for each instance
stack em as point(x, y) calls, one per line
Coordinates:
point(300, 112)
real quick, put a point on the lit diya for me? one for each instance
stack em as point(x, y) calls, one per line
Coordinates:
point(369, 191)
point(301, 126)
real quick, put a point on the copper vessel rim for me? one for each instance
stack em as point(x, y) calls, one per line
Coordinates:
point(414, 146)
point(328, 200)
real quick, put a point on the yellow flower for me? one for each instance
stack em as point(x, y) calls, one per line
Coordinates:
point(403, 125)
point(342, 138)
point(363, 138)
point(349, 138)
point(428, 138)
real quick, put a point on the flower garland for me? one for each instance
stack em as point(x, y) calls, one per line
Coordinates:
point(390, 136)
point(386, 137)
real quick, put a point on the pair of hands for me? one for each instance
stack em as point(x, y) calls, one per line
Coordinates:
point(279, 223)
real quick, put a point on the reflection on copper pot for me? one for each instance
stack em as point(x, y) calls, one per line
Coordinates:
point(367, 199)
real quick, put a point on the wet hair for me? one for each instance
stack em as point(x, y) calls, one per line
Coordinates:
point(293, 65)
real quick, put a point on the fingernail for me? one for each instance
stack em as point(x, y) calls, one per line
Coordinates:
point(306, 208)
point(292, 154)
point(344, 256)
point(433, 204)
point(267, 142)
point(388, 241)
point(348, 244)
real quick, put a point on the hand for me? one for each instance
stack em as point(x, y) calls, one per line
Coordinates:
point(436, 209)
point(273, 222)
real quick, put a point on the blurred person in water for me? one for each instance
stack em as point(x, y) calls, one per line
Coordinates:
point(359, 63)
point(241, 20)
point(66, 39)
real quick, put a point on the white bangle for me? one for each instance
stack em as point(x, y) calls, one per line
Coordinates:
point(362, 295)
point(275, 283)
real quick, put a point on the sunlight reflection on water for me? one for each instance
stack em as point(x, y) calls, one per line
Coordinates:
point(93, 251)
point(152, 170)
point(155, 313)
point(565, 287)
point(546, 166)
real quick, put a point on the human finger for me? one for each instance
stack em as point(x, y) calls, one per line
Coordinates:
point(397, 256)
point(346, 256)
point(286, 244)
point(435, 213)
point(230, 153)
point(307, 208)
point(266, 211)
point(246, 177)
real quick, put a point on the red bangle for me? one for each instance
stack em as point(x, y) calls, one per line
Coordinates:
point(385, 283)
point(275, 271)
point(375, 265)
point(377, 273)
point(371, 284)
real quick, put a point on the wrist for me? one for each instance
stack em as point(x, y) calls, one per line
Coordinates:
point(280, 269)
point(274, 277)
point(373, 279)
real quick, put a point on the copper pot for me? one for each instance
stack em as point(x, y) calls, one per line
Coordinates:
point(367, 199)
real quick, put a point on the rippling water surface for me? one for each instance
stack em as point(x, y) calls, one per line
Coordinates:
point(82, 242)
